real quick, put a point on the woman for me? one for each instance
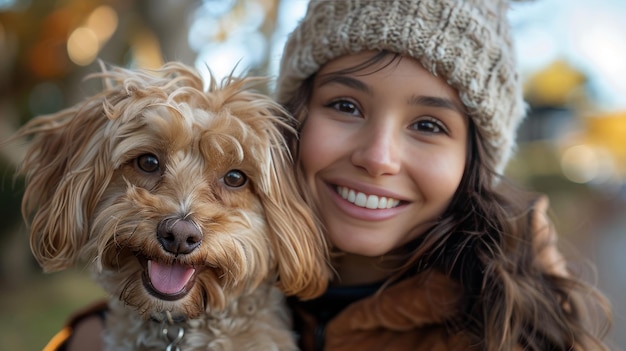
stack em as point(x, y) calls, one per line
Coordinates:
point(408, 111)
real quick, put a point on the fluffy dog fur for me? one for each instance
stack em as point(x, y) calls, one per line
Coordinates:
point(183, 200)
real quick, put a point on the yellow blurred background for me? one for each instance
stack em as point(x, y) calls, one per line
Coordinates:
point(572, 146)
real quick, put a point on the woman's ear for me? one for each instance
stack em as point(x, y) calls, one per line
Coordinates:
point(65, 171)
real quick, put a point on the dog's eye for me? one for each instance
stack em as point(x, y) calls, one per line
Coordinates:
point(235, 178)
point(148, 163)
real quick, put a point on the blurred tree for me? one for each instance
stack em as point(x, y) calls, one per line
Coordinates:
point(559, 84)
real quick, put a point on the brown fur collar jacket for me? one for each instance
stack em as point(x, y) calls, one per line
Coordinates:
point(410, 315)
point(414, 314)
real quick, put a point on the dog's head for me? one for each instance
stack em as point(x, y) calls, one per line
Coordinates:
point(181, 196)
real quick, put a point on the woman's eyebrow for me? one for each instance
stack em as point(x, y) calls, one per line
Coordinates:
point(436, 101)
point(344, 80)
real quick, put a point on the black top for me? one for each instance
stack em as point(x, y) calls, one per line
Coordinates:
point(327, 306)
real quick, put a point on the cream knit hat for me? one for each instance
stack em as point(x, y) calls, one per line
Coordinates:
point(466, 42)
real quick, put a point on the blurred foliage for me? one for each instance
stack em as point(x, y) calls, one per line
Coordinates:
point(39, 76)
point(37, 308)
point(558, 84)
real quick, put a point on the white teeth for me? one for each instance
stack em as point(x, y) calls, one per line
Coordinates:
point(367, 201)
point(382, 202)
point(351, 197)
point(361, 200)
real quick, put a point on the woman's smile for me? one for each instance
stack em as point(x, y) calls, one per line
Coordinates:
point(355, 205)
point(364, 200)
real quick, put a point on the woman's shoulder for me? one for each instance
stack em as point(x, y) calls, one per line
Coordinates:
point(411, 314)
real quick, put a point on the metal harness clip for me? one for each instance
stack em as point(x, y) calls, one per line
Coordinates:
point(172, 338)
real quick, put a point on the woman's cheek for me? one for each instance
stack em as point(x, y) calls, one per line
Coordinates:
point(306, 154)
point(316, 139)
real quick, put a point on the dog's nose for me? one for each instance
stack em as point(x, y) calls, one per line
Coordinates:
point(178, 236)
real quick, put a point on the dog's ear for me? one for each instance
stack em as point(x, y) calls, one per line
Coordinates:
point(66, 170)
point(298, 242)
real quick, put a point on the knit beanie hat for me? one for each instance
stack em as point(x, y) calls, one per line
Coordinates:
point(465, 42)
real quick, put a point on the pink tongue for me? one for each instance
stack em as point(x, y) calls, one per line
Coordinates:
point(169, 279)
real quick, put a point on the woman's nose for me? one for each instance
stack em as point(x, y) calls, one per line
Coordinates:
point(378, 152)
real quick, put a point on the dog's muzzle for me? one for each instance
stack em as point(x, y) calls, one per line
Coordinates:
point(171, 279)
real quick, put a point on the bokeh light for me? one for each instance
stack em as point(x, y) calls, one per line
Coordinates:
point(82, 46)
point(85, 42)
point(587, 164)
point(229, 39)
point(103, 21)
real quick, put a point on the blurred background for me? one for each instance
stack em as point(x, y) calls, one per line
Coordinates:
point(572, 145)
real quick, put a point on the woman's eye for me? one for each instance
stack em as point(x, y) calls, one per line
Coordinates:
point(428, 126)
point(235, 178)
point(148, 163)
point(345, 107)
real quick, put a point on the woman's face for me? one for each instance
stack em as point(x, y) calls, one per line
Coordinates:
point(383, 151)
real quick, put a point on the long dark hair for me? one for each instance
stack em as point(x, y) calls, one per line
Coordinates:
point(487, 241)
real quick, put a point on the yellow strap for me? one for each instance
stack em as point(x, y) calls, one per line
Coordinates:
point(58, 339)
